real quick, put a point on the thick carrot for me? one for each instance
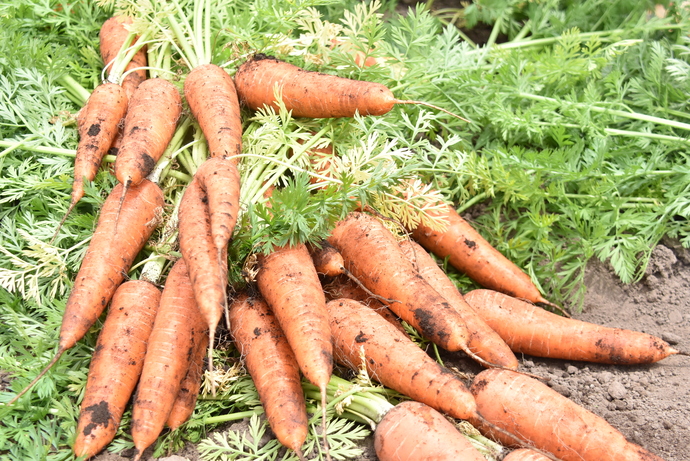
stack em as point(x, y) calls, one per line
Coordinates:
point(543, 418)
point(208, 269)
point(98, 124)
point(185, 402)
point(168, 357)
point(373, 255)
point(529, 329)
point(413, 431)
point(272, 365)
point(152, 115)
point(116, 365)
point(392, 359)
point(221, 181)
point(290, 285)
point(212, 98)
point(112, 35)
point(471, 254)
point(311, 94)
point(525, 454)
point(483, 341)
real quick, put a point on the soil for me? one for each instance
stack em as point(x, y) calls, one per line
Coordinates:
point(649, 404)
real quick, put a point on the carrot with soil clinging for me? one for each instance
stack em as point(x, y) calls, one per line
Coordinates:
point(471, 254)
point(273, 367)
point(483, 340)
point(116, 365)
point(98, 124)
point(312, 94)
point(288, 281)
point(373, 255)
point(208, 269)
point(545, 420)
point(168, 357)
point(110, 255)
point(529, 329)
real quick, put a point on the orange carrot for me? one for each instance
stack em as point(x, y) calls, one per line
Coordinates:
point(168, 357)
point(150, 124)
point(392, 359)
point(212, 98)
point(483, 341)
point(311, 94)
point(529, 329)
point(327, 260)
point(413, 431)
point(272, 365)
point(116, 365)
point(207, 268)
point(108, 258)
point(185, 402)
point(98, 124)
point(112, 35)
point(221, 181)
point(525, 454)
point(374, 257)
point(288, 282)
point(471, 254)
point(543, 418)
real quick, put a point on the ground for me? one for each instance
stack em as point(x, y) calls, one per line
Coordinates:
point(649, 404)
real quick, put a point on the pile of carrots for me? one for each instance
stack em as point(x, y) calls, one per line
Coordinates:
point(310, 305)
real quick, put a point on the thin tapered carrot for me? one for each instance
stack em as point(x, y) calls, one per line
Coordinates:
point(98, 123)
point(546, 420)
point(110, 254)
point(471, 254)
point(207, 268)
point(168, 356)
point(221, 182)
point(116, 365)
point(483, 340)
point(185, 402)
point(529, 329)
point(413, 431)
point(311, 94)
point(212, 98)
point(363, 338)
point(112, 35)
point(273, 367)
point(327, 260)
point(288, 282)
point(373, 255)
point(150, 123)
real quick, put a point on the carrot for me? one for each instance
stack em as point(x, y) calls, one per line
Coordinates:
point(272, 365)
point(185, 402)
point(112, 36)
point(413, 431)
point(529, 329)
point(150, 124)
point(98, 124)
point(543, 418)
point(392, 359)
point(288, 282)
point(207, 268)
point(525, 454)
point(116, 365)
point(373, 255)
point(221, 182)
point(471, 254)
point(212, 98)
point(343, 287)
point(168, 356)
point(327, 260)
point(483, 341)
point(311, 94)
point(106, 262)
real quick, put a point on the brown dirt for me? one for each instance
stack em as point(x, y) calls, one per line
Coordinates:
point(649, 404)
